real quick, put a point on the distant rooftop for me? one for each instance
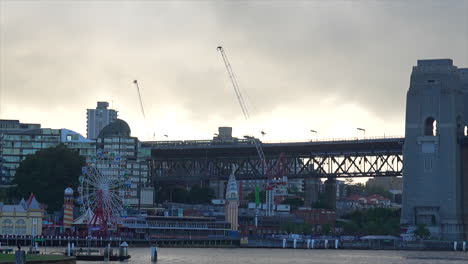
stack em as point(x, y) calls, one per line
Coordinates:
point(23, 206)
point(118, 128)
point(6, 124)
point(435, 62)
point(102, 105)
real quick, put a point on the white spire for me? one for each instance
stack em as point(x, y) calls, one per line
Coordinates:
point(232, 191)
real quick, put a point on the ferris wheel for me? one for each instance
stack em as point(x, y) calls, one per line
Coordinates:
point(104, 189)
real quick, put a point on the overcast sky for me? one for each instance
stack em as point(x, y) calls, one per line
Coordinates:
point(329, 66)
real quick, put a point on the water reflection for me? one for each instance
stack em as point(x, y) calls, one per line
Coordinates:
point(299, 256)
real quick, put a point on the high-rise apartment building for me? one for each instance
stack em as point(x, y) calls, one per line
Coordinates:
point(116, 138)
point(98, 118)
point(17, 140)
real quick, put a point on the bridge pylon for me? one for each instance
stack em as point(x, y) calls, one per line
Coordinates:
point(432, 176)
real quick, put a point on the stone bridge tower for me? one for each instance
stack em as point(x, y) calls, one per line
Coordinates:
point(433, 173)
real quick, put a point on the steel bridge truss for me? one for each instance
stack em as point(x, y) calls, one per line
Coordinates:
point(313, 165)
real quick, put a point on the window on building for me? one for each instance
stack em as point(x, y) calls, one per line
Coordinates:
point(430, 127)
point(20, 227)
point(7, 227)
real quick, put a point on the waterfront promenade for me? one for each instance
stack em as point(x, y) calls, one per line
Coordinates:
point(226, 242)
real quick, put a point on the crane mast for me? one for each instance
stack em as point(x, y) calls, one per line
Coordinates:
point(235, 84)
point(139, 98)
point(144, 117)
point(258, 145)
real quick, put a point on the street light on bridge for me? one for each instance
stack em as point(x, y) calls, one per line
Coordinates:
point(316, 134)
point(363, 130)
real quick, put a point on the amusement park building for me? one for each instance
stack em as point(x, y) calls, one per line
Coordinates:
point(176, 227)
point(24, 218)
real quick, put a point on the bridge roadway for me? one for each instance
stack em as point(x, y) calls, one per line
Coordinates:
point(176, 161)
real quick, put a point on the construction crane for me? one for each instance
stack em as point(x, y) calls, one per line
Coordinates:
point(139, 97)
point(270, 186)
point(235, 83)
point(144, 117)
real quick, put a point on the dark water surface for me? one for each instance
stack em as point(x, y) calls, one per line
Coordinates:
point(279, 256)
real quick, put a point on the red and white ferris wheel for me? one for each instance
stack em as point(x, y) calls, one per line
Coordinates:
point(104, 190)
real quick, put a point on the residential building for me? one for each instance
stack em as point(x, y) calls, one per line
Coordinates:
point(378, 201)
point(116, 137)
point(17, 140)
point(73, 140)
point(358, 202)
point(387, 183)
point(341, 189)
point(98, 118)
point(316, 216)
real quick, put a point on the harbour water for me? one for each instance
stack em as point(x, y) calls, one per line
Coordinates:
point(292, 256)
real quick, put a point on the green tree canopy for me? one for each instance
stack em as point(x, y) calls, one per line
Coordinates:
point(201, 195)
point(294, 202)
point(177, 194)
point(296, 228)
point(251, 196)
point(326, 229)
point(422, 231)
point(365, 190)
point(322, 202)
point(375, 221)
point(47, 173)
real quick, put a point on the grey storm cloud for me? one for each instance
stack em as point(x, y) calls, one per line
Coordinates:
point(285, 53)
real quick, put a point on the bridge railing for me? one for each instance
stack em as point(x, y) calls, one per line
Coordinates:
point(245, 141)
point(324, 140)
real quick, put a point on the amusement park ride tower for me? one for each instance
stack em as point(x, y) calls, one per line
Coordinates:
point(68, 205)
point(232, 202)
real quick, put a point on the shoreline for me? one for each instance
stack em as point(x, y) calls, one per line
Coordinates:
point(327, 244)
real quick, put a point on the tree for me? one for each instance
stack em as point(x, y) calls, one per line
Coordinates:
point(201, 195)
point(9, 196)
point(351, 228)
point(358, 188)
point(296, 228)
point(376, 221)
point(47, 173)
point(251, 196)
point(365, 190)
point(349, 181)
point(322, 202)
point(326, 229)
point(177, 194)
point(422, 231)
